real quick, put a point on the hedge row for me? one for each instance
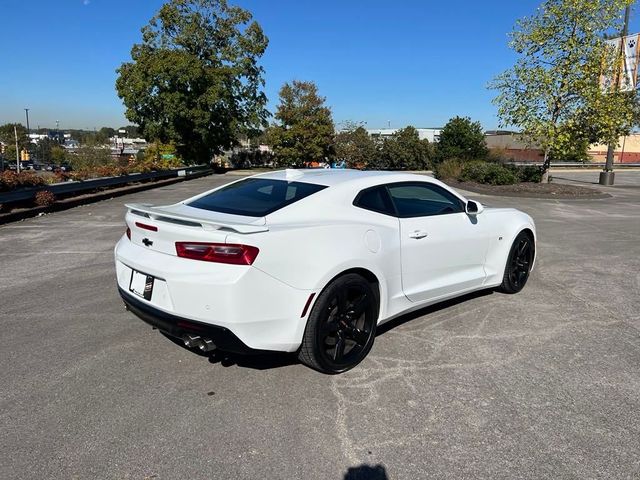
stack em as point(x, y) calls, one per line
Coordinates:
point(491, 173)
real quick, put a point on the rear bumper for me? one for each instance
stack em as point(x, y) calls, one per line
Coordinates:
point(223, 338)
point(260, 311)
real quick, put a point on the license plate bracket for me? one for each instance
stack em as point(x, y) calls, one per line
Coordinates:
point(141, 284)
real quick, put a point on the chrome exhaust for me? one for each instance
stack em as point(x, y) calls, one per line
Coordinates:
point(191, 341)
point(195, 341)
point(206, 345)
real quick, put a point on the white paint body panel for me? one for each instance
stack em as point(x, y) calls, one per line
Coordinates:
point(305, 245)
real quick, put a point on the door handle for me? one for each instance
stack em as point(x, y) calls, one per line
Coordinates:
point(418, 234)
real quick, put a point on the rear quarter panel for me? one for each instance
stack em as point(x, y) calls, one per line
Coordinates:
point(308, 254)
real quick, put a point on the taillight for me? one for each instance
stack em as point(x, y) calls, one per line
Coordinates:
point(146, 227)
point(218, 252)
point(128, 233)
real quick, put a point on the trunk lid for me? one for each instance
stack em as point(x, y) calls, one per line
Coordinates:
point(158, 228)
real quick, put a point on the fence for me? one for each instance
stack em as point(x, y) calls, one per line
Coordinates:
point(77, 187)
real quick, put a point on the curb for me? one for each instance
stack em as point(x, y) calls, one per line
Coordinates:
point(87, 199)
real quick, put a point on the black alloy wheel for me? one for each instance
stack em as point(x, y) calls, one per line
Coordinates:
point(519, 263)
point(341, 327)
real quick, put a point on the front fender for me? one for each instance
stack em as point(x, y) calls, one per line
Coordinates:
point(507, 224)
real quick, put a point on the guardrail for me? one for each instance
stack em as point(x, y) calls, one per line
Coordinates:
point(576, 164)
point(75, 187)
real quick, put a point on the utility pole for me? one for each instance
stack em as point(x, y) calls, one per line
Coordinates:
point(26, 111)
point(15, 133)
point(607, 176)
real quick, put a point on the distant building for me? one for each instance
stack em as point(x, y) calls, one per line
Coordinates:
point(125, 146)
point(513, 146)
point(431, 134)
point(627, 151)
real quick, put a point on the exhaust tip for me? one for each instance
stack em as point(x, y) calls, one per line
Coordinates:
point(206, 345)
point(190, 341)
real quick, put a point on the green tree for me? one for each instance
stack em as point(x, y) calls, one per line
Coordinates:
point(195, 80)
point(553, 91)
point(90, 156)
point(58, 154)
point(10, 153)
point(158, 151)
point(404, 151)
point(463, 139)
point(131, 131)
point(305, 132)
point(43, 149)
point(104, 134)
point(7, 136)
point(355, 146)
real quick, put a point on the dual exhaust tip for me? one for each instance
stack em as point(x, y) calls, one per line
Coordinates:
point(195, 341)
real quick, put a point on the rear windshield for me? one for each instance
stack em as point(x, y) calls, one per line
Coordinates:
point(255, 197)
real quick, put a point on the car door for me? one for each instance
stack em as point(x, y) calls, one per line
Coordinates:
point(442, 248)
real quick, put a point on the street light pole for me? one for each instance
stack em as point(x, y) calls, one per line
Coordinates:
point(607, 176)
point(26, 111)
point(15, 132)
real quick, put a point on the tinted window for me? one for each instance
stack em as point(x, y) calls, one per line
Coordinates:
point(376, 199)
point(420, 200)
point(255, 197)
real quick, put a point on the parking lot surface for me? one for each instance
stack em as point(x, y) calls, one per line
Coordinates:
point(543, 384)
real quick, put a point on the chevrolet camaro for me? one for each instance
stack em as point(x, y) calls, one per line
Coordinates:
point(312, 261)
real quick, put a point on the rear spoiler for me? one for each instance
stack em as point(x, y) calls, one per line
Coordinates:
point(160, 214)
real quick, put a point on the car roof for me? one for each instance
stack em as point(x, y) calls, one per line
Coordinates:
point(337, 176)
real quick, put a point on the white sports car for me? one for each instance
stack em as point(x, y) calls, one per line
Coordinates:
point(311, 261)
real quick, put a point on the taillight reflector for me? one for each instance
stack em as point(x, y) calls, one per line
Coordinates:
point(232, 253)
point(146, 227)
point(128, 233)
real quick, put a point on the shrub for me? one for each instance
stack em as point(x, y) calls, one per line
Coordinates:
point(499, 175)
point(497, 155)
point(44, 198)
point(10, 180)
point(490, 173)
point(61, 176)
point(530, 173)
point(448, 170)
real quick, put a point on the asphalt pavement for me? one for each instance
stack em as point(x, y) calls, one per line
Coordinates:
point(542, 384)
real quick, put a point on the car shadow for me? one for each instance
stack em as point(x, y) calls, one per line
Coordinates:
point(574, 180)
point(366, 472)
point(257, 361)
point(407, 317)
point(270, 360)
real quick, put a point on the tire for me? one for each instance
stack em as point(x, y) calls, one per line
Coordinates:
point(341, 327)
point(519, 262)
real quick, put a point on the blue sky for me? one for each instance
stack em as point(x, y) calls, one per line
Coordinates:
point(415, 62)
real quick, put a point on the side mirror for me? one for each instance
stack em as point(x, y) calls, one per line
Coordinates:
point(474, 208)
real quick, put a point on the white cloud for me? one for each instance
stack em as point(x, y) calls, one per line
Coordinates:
point(86, 2)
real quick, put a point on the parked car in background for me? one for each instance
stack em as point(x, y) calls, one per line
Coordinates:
point(312, 261)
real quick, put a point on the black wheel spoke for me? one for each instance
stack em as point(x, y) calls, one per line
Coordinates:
point(522, 248)
point(341, 299)
point(358, 307)
point(329, 329)
point(357, 335)
point(338, 352)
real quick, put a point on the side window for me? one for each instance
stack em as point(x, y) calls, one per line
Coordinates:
point(375, 199)
point(423, 199)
